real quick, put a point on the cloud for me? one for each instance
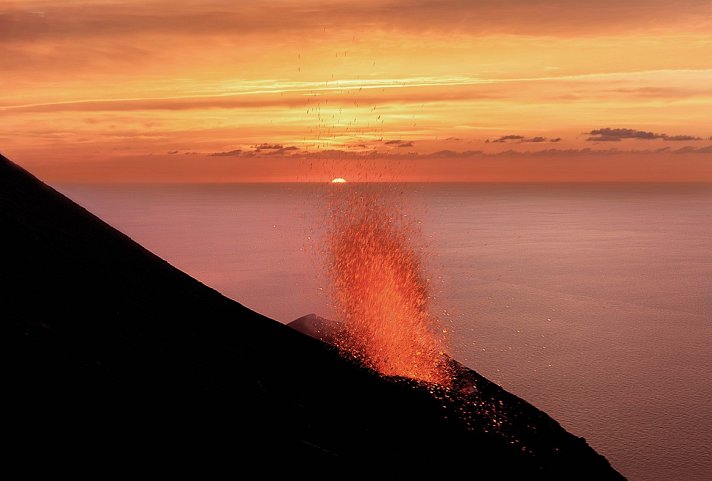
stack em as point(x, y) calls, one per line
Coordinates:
point(338, 154)
point(273, 149)
point(668, 92)
point(507, 138)
point(257, 150)
point(521, 139)
point(51, 20)
point(603, 138)
point(693, 150)
point(268, 147)
point(685, 150)
point(291, 95)
point(616, 135)
point(588, 152)
point(451, 154)
point(230, 153)
point(681, 137)
point(400, 143)
point(345, 154)
point(168, 103)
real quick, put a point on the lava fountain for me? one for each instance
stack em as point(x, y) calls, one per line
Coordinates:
point(379, 290)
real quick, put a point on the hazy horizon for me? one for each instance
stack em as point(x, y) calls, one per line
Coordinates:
point(474, 182)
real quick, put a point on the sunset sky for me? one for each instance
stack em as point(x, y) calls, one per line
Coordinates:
point(304, 90)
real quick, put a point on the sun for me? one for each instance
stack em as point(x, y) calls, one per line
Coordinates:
point(338, 180)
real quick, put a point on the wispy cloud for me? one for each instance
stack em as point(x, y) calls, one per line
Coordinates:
point(270, 93)
point(356, 92)
point(342, 154)
point(508, 138)
point(512, 138)
point(91, 19)
point(263, 149)
point(399, 143)
point(229, 153)
point(616, 135)
point(272, 147)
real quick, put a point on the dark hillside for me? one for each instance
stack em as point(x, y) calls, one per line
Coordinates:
point(111, 351)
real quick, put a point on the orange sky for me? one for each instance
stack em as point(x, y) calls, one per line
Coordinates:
point(230, 91)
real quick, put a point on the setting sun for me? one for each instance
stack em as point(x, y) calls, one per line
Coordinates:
point(338, 180)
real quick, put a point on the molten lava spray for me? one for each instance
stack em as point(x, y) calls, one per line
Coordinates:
point(379, 290)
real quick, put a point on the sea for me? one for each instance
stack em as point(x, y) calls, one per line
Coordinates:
point(591, 301)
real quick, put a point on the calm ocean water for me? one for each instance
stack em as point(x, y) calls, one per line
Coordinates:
point(593, 302)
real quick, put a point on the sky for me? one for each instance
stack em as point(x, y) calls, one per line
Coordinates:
point(304, 90)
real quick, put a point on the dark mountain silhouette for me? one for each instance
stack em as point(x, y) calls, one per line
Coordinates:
point(113, 354)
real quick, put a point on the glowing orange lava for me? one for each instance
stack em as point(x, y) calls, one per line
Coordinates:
point(380, 293)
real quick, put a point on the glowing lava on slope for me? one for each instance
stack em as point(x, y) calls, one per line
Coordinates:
point(379, 290)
